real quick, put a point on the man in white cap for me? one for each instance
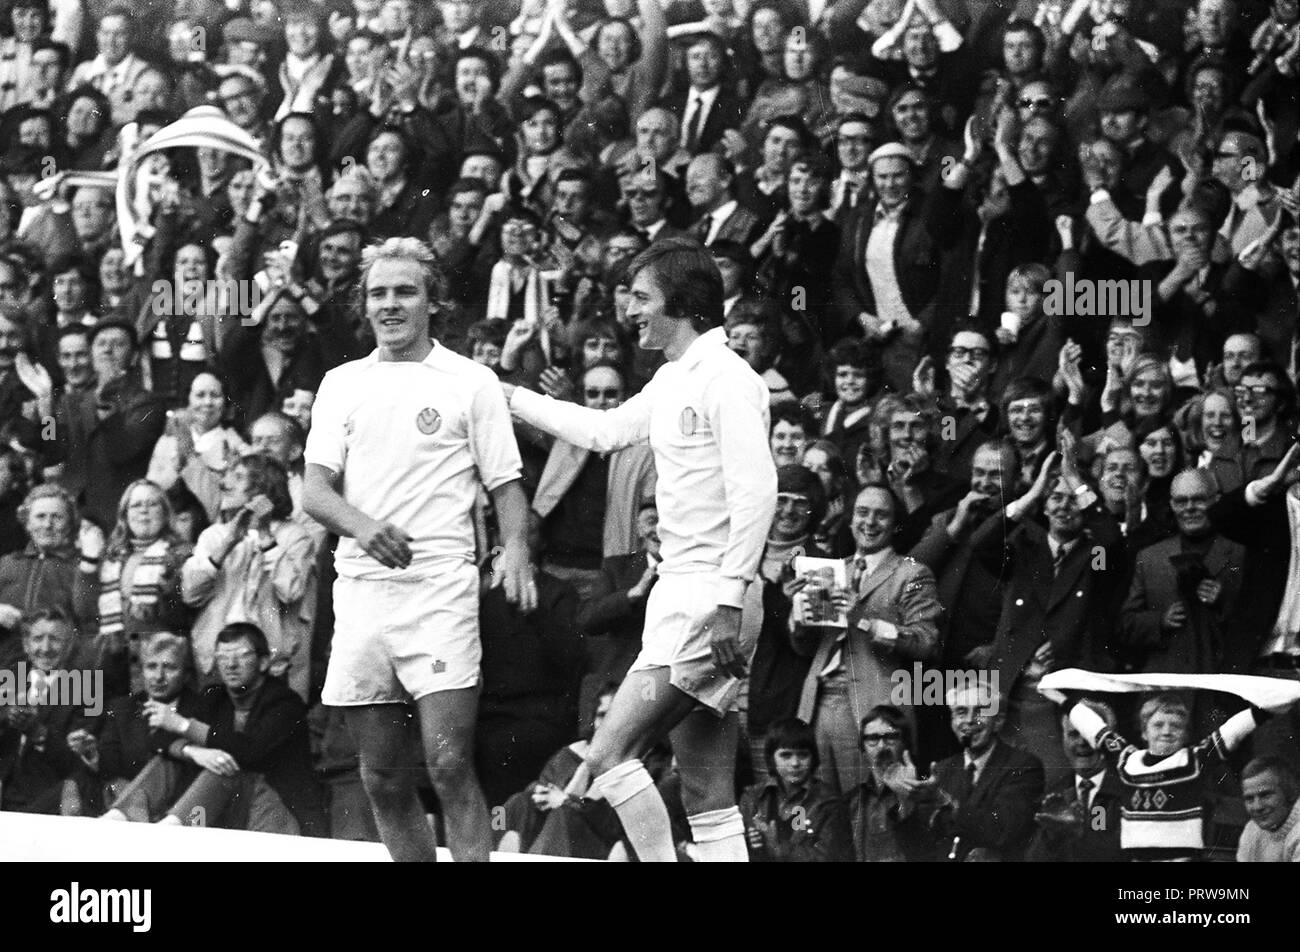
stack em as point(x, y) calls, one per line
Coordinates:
point(889, 266)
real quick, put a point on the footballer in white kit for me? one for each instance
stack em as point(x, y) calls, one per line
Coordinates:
point(399, 443)
point(705, 415)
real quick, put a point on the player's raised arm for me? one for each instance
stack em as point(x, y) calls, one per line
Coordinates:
point(601, 431)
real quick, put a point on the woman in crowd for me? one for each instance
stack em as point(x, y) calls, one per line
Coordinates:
point(254, 566)
point(140, 578)
point(198, 445)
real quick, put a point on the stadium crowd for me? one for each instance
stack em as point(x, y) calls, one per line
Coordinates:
point(1022, 279)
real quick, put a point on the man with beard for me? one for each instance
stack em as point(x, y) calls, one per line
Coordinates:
point(988, 792)
point(1078, 820)
point(891, 810)
point(1185, 588)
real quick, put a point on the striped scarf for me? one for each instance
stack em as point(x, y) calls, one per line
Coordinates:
point(202, 126)
point(146, 585)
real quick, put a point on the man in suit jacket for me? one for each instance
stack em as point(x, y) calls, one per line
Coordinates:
point(889, 299)
point(1057, 584)
point(1078, 820)
point(990, 789)
point(710, 182)
point(965, 585)
point(892, 621)
point(705, 109)
point(1179, 614)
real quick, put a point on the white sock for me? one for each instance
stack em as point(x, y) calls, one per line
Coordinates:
point(720, 836)
point(630, 791)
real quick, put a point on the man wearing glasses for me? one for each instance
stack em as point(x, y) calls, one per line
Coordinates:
point(1185, 588)
point(589, 501)
point(967, 414)
point(1266, 401)
point(240, 96)
point(1239, 163)
point(891, 810)
point(853, 143)
point(645, 195)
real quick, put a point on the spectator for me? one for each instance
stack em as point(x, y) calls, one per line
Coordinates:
point(793, 816)
point(892, 610)
point(49, 572)
point(892, 809)
point(128, 764)
point(197, 447)
point(140, 580)
point(987, 792)
point(1269, 790)
point(254, 567)
point(1079, 818)
point(36, 763)
point(250, 737)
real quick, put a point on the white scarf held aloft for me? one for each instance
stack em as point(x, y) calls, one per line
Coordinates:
point(1269, 693)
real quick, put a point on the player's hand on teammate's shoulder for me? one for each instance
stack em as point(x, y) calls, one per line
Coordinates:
point(387, 544)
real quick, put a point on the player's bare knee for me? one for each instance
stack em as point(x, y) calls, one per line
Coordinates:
point(448, 764)
point(386, 786)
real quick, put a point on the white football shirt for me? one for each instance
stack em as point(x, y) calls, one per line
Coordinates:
point(413, 441)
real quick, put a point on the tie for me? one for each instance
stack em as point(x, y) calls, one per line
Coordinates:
point(694, 125)
point(970, 779)
point(1085, 793)
point(859, 573)
point(852, 189)
point(704, 227)
point(1058, 559)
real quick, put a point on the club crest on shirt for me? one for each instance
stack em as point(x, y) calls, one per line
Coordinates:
point(688, 421)
point(428, 420)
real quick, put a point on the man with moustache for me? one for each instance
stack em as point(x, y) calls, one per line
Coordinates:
point(891, 810)
point(1078, 820)
point(986, 793)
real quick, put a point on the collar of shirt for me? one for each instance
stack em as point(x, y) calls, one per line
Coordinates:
point(702, 346)
point(871, 561)
point(888, 214)
point(702, 99)
point(653, 229)
point(467, 39)
point(1056, 546)
point(981, 761)
point(720, 215)
point(1249, 197)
